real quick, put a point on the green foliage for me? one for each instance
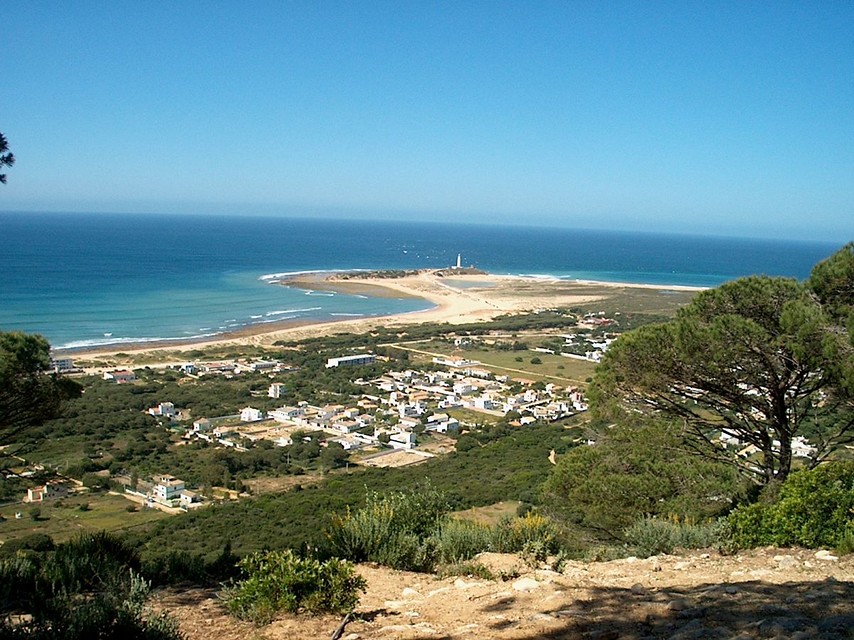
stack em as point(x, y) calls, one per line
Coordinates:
point(31, 542)
point(28, 394)
point(531, 533)
point(832, 280)
point(653, 536)
point(637, 470)
point(460, 540)
point(759, 357)
point(86, 588)
point(7, 158)
point(391, 529)
point(509, 468)
point(470, 569)
point(814, 508)
point(281, 581)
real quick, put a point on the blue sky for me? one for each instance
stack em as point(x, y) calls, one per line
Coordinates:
point(732, 118)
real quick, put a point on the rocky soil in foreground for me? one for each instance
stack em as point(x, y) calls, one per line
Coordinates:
point(767, 593)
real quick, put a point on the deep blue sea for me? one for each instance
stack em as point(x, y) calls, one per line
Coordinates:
point(91, 279)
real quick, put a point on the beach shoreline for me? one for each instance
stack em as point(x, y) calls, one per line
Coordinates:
point(484, 297)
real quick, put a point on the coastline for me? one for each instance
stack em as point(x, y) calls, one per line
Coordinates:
point(484, 297)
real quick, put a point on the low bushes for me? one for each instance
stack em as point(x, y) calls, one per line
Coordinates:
point(814, 508)
point(391, 529)
point(281, 581)
point(412, 530)
point(653, 536)
point(86, 588)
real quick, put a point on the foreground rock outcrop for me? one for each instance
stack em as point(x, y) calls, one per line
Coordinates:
point(768, 593)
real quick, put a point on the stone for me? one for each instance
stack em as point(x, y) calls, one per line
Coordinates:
point(639, 590)
point(408, 592)
point(525, 584)
point(786, 562)
point(824, 554)
point(459, 583)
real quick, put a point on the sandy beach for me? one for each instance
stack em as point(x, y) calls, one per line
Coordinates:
point(457, 300)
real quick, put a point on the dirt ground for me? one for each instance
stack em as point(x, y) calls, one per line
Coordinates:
point(767, 593)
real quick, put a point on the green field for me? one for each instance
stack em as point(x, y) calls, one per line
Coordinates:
point(553, 368)
point(64, 518)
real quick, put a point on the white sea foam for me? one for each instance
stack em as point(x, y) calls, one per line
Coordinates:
point(86, 344)
point(349, 315)
point(322, 294)
point(270, 277)
point(289, 311)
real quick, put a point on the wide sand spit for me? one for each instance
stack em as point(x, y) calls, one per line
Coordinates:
point(457, 299)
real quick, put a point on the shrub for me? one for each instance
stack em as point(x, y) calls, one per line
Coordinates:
point(814, 508)
point(281, 581)
point(86, 588)
point(460, 540)
point(475, 569)
point(391, 529)
point(31, 542)
point(532, 533)
point(653, 536)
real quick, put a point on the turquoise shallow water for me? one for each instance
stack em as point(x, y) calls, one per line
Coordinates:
point(88, 279)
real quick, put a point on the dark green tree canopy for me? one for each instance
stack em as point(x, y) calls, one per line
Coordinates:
point(758, 358)
point(636, 470)
point(7, 159)
point(832, 281)
point(29, 394)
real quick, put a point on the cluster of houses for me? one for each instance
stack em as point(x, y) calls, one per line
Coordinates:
point(394, 409)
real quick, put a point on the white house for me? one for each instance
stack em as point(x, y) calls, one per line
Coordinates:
point(163, 409)
point(402, 440)
point(189, 499)
point(250, 414)
point(202, 425)
point(287, 414)
point(166, 489)
point(276, 390)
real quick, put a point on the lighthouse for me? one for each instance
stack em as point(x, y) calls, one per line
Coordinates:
point(459, 264)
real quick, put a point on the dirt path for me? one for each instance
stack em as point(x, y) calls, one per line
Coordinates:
point(761, 594)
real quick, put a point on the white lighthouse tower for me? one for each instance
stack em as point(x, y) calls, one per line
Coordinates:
point(459, 264)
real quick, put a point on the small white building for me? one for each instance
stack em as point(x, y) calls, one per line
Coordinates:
point(264, 365)
point(62, 365)
point(250, 414)
point(402, 440)
point(163, 409)
point(287, 414)
point(189, 499)
point(356, 360)
point(202, 425)
point(276, 390)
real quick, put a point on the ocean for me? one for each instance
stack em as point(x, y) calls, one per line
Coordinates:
point(83, 280)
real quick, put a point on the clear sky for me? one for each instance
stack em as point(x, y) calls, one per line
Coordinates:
point(731, 118)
